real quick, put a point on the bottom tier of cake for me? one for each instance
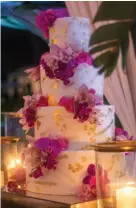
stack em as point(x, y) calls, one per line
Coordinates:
point(71, 169)
point(66, 179)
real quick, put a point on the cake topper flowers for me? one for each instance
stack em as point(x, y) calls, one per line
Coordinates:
point(46, 19)
point(43, 153)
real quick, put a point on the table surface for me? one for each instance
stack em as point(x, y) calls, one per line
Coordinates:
point(32, 200)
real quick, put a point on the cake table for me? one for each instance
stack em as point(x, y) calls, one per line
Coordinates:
point(32, 200)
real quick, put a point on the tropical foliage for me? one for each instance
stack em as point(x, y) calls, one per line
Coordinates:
point(118, 19)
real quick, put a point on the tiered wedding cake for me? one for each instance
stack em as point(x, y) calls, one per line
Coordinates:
point(69, 110)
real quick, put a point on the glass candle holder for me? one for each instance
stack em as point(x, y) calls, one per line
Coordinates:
point(12, 140)
point(116, 174)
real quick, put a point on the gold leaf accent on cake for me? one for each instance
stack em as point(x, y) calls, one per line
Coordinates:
point(56, 84)
point(64, 127)
point(92, 139)
point(44, 78)
point(51, 100)
point(64, 30)
point(57, 124)
point(83, 158)
point(62, 157)
point(45, 183)
point(85, 127)
point(74, 70)
point(75, 168)
point(52, 30)
point(57, 116)
point(42, 134)
point(38, 124)
point(37, 191)
point(54, 41)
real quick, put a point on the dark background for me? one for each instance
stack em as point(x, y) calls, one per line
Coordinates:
point(21, 48)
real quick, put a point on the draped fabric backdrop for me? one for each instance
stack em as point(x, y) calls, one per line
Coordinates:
point(120, 87)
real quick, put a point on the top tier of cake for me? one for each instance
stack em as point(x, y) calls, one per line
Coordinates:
point(69, 34)
point(71, 31)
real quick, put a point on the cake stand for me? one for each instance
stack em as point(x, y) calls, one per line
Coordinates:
point(32, 200)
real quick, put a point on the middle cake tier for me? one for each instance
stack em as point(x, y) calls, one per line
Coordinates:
point(56, 121)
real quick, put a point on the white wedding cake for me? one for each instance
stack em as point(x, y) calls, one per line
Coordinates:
point(72, 91)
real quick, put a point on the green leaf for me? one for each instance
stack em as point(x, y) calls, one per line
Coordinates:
point(116, 10)
point(133, 33)
point(124, 49)
point(104, 46)
point(108, 61)
point(111, 32)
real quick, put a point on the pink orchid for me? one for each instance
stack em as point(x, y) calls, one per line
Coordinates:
point(29, 110)
point(34, 73)
point(84, 95)
point(44, 152)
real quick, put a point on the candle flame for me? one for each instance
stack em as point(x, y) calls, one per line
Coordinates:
point(128, 190)
point(14, 162)
point(18, 161)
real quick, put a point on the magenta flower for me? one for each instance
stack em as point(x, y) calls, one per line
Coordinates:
point(121, 134)
point(91, 170)
point(84, 57)
point(30, 117)
point(68, 103)
point(34, 73)
point(44, 153)
point(36, 173)
point(46, 19)
point(86, 179)
point(12, 186)
point(88, 189)
point(51, 146)
point(50, 163)
point(42, 102)
point(119, 131)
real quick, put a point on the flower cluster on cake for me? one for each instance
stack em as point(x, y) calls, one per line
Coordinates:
point(68, 114)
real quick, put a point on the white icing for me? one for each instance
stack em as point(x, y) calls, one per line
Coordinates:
point(62, 180)
point(65, 180)
point(84, 74)
point(71, 31)
point(57, 121)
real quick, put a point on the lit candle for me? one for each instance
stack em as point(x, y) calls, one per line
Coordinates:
point(16, 170)
point(2, 179)
point(126, 197)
